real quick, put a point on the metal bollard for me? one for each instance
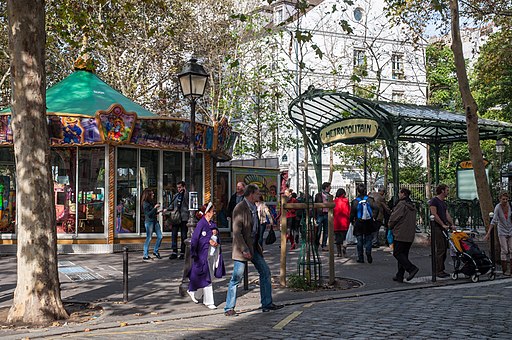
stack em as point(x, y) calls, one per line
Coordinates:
point(433, 232)
point(125, 274)
point(493, 245)
point(246, 276)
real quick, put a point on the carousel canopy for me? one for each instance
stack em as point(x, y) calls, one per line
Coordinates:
point(84, 93)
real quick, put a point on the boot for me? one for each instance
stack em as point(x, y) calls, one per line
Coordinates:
point(504, 267)
point(510, 272)
point(338, 246)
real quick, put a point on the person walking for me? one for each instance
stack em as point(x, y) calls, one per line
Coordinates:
point(341, 221)
point(321, 215)
point(236, 198)
point(379, 197)
point(180, 203)
point(206, 257)
point(362, 219)
point(402, 222)
point(443, 222)
point(246, 248)
point(503, 219)
point(265, 217)
point(150, 209)
point(291, 219)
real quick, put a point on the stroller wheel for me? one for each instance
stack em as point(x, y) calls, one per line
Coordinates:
point(454, 276)
point(492, 276)
point(474, 278)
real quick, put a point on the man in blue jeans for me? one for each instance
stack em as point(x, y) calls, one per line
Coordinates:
point(246, 227)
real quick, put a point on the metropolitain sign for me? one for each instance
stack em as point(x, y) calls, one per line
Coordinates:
point(349, 131)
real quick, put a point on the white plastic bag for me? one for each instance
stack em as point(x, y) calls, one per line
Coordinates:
point(351, 239)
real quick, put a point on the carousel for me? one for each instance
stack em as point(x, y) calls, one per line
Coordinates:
point(105, 150)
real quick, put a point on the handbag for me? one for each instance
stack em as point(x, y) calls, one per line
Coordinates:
point(175, 216)
point(350, 235)
point(271, 237)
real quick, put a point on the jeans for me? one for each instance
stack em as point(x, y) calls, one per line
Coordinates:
point(182, 228)
point(150, 227)
point(322, 223)
point(364, 242)
point(238, 273)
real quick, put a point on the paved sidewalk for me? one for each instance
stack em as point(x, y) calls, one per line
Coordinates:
point(153, 285)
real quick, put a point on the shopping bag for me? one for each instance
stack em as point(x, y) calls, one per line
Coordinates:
point(351, 239)
point(390, 237)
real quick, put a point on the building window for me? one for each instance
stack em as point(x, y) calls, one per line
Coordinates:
point(148, 178)
point(397, 66)
point(278, 15)
point(126, 198)
point(7, 191)
point(398, 96)
point(172, 164)
point(358, 14)
point(91, 190)
point(358, 58)
point(63, 165)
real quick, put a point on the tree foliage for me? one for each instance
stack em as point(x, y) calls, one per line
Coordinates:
point(441, 78)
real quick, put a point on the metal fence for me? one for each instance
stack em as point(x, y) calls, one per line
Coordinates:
point(465, 214)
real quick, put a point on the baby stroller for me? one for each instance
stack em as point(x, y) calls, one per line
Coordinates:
point(468, 259)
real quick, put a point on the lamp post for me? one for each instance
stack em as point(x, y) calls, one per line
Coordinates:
point(500, 149)
point(193, 80)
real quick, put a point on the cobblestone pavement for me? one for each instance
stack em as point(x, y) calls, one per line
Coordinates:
point(464, 311)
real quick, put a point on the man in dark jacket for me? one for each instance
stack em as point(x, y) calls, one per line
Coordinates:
point(403, 224)
point(236, 198)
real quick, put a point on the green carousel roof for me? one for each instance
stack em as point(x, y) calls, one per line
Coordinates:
point(84, 93)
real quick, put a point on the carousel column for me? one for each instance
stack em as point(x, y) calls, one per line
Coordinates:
point(111, 193)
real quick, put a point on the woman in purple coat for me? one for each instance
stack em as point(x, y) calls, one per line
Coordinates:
point(206, 258)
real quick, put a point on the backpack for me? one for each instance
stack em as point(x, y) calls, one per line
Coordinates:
point(364, 210)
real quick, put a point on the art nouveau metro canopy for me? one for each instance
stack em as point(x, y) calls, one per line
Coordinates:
point(413, 123)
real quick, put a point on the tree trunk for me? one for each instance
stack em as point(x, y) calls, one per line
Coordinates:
point(37, 297)
point(471, 109)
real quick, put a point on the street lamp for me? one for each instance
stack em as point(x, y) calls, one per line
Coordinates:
point(500, 149)
point(193, 80)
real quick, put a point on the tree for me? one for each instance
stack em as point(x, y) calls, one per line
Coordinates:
point(37, 297)
point(448, 12)
point(441, 78)
point(492, 79)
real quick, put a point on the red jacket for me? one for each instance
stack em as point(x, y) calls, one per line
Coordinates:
point(341, 214)
point(291, 213)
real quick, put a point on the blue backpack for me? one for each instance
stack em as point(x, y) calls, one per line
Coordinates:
point(364, 210)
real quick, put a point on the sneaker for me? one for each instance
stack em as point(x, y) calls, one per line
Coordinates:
point(211, 306)
point(230, 312)
point(325, 249)
point(173, 256)
point(146, 258)
point(271, 308)
point(157, 255)
point(192, 296)
point(181, 256)
point(413, 273)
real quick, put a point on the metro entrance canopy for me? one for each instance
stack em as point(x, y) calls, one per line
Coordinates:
point(396, 122)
